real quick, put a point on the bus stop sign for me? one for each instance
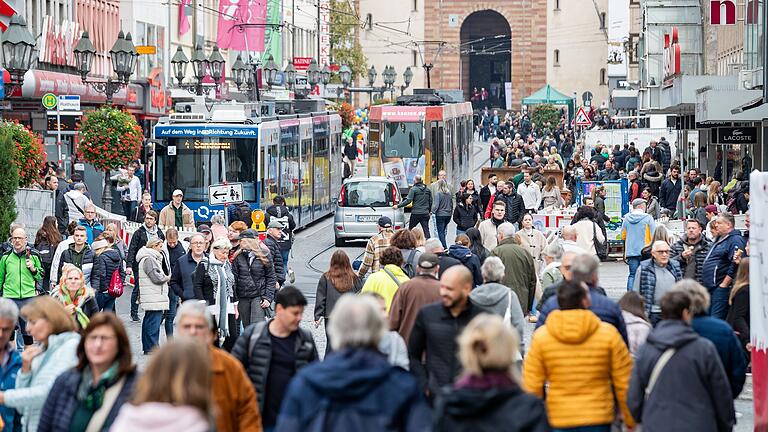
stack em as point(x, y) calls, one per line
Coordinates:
point(230, 193)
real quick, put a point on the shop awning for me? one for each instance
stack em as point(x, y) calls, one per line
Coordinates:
point(730, 106)
point(548, 94)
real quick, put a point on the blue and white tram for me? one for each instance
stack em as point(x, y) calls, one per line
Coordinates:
point(297, 156)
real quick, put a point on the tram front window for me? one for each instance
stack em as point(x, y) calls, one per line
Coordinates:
point(201, 162)
point(402, 140)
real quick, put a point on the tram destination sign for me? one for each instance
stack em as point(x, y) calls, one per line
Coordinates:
point(736, 135)
point(230, 193)
point(206, 131)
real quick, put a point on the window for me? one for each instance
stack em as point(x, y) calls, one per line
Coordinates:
point(368, 194)
point(603, 77)
point(557, 57)
point(402, 140)
point(415, 58)
point(633, 46)
point(415, 6)
point(153, 35)
point(557, 4)
point(602, 21)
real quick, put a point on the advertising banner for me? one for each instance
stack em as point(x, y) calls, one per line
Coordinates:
point(272, 37)
point(233, 31)
point(758, 294)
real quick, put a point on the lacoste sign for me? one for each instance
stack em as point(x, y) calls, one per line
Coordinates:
point(736, 135)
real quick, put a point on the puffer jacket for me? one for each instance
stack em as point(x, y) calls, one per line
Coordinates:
point(69, 256)
point(253, 278)
point(557, 350)
point(470, 261)
point(646, 275)
point(465, 217)
point(700, 251)
point(32, 388)
point(104, 266)
point(254, 350)
point(277, 258)
point(719, 261)
point(153, 280)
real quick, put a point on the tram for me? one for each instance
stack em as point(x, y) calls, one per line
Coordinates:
point(297, 156)
point(420, 135)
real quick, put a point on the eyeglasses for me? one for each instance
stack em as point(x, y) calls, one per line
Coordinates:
point(664, 252)
point(99, 338)
point(197, 243)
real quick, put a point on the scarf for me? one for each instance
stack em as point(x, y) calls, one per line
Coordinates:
point(80, 298)
point(223, 281)
point(90, 395)
point(151, 232)
point(489, 380)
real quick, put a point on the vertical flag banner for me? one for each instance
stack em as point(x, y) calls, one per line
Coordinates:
point(325, 33)
point(273, 35)
point(758, 294)
point(232, 34)
point(184, 25)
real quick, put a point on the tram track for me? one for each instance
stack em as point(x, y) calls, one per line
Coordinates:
point(317, 255)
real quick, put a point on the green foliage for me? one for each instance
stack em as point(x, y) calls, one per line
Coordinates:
point(109, 138)
point(545, 113)
point(345, 50)
point(9, 182)
point(29, 153)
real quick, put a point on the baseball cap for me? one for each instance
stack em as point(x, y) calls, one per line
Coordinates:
point(275, 224)
point(204, 228)
point(428, 261)
point(711, 209)
point(385, 222)
point(248, 234)
point(178, 192)
point(637, 202)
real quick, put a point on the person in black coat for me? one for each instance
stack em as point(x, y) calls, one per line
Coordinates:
point(337, 281)
point(465, 214)
point(274, 233)
point(66, 407)
point(738, 313)
point(486, 193)
point(106, 262)
point(670, 189)
point(255, 280)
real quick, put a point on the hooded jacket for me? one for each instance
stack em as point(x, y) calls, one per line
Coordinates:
point(695, 367)
point(93, 229)
point(421, 198)
point(16, 280)
point(104, 265)
point(153, 280)
point(519, 271)
point(383, 284)
point(637, 331)
point(495, 298)
point(354, 390)
point(728, 348)
point(585, 362)
point(470, 261)
point(719, 261)
point(76, 202)
point(637, 229)
point(159, 417)
point(605, 309)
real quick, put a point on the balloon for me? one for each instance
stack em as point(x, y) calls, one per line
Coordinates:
point(357, 119)
point(365, 115)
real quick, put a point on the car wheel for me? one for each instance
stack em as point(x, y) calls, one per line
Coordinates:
point(340, 242)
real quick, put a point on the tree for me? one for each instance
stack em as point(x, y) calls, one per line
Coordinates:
point(345, 49)
point(9, 182)
point(545, 113)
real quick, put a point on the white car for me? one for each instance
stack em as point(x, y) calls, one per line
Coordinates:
point(362, 201)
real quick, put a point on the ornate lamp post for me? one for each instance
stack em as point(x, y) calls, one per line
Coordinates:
point(407, 78)
point(325, 75)
point(313, 74)
point(270, 70)
point(123, 54)
point(290, 75)
point(18, 47)
point(212, 66)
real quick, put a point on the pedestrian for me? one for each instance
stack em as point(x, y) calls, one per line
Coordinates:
point(46, 241)
point(652, 207)
point(405, 241)
point(273, 351)
point(487, 191)
point(442, 208)
point(350, 155)
point(20, 271)
point(174, 393)
point(497, 298)
point(689, 390)
point(699, 210)
point(461, 252)
point(174, 250)
point(392, 344)
point(375, 245)
point(519, 267)
point(588, 229)
point(54, 331)
point(181, 276)
point(636, 229)
point(107, 269)
point(691, 249)
point(79, 254)
point(531, 239)
point(632, 307)
point(655, 277)
point(176, 213)
point(476, 244)
point(76, 201)
point(718, 332)
point(738, 312)
point(214, 283)
point(419, 291)
point(584, 269)
point(489, 393)
point(147, 231)
point(418, 235)
point(465, 215)
point(326, 396)
point(551, 273)
point(338, 280)
point(89, 396)
point(490, 226)
point(551, 196)
point(255, 280)
point(421, 197)
point(234, 400)
point(61, 210)
point(634, 185)
point(719, 267)
point(280, 213)
point(93, 227)
point(670, 189)
point(432, 343)
point(598, 197)
point(386, 281)
point(570, 241)
point(218, 229)
point(78, 300)
point(130, 192)
point(531, 193)
point(574, 338)
point(154, 275)
point(116, 240)
point(138, 213)
point(272, 241)
point(446, 261)
point(9, 367)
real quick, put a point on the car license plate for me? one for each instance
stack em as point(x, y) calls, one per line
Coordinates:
point(366, 218)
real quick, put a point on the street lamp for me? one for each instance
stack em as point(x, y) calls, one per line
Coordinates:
point(407, 78)
point(313, 73)
point(123, 54)
point(346, 75)
point(371, 76)
point(18, 48)
point(290, 75)
point(325, 75)
point(245, 75)
point(270, 70)
point(202, 66)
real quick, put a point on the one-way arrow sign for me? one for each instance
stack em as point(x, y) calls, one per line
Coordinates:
point(230, 193)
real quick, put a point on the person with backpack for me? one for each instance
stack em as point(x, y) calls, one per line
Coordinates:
point(107, 274)
point(386, 281)
point(461, 252)
point(406, 242)
point(496, 297)
point(280, 213)
point(273, 351)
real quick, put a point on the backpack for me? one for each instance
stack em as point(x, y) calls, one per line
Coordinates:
point(408, 267)
point(115, 288)
point(243, 213)
point(600, 247)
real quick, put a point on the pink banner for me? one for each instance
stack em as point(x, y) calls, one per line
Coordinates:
point(241, 24)
point(184, 25)
point(760, 388)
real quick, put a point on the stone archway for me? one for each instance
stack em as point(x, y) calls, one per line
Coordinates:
point(485, 53)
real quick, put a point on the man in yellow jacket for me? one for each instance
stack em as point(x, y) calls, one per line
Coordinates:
point(584, 361)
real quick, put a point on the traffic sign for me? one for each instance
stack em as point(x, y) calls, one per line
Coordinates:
point(582, 118)
point(229, 193)
point(69, 102)
point(146, 49)
point(49, 101)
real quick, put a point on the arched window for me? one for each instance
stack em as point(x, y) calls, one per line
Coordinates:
point(603, 77)
point(557, 57)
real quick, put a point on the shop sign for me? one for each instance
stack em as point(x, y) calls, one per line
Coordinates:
point(157, 102)
point(736, 135)
point(301, 63)
point(671, 54)
point(716, 9)
point(324, 32)
point(146, 49)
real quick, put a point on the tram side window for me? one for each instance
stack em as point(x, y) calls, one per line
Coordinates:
point(402, 139)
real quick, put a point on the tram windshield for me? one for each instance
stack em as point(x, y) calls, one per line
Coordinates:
point(193, 164)
point(402, 139)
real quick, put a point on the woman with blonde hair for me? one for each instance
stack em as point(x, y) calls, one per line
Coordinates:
point(53, 328)
point(550, 194)
point(255, 279)
point(418, 234)
point(74, 294)
point(714, 194)
point(489, 393)
point(173, 394)
point(738, 313)
point(115, 239)
point(659, 234)
point(154, 275)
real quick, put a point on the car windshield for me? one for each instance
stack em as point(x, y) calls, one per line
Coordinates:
point(402, 139)
point(368, 194)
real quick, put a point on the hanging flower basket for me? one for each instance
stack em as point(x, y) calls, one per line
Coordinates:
point(29, 152)
point(109, 139)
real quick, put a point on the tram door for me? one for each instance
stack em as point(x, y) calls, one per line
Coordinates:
point(269, 162)
point(289, 166)
point(321, 204)
point(305, 171)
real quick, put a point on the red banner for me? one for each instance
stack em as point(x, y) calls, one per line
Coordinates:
point(301, 63)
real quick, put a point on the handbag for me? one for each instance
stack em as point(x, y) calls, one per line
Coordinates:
point(657, 368)
point(115, 289)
